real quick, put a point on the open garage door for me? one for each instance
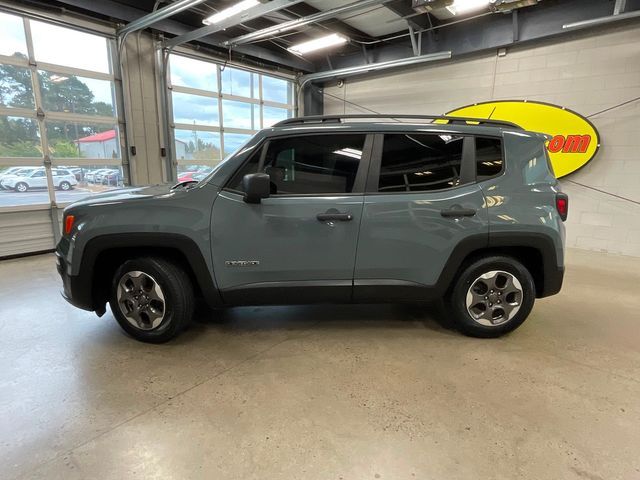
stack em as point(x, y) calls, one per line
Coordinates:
point(60, 127)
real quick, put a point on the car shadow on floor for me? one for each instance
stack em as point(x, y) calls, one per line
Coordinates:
point(431, 316)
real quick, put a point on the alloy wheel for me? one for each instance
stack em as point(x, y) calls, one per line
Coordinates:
point(494, 298)
point(141, 300)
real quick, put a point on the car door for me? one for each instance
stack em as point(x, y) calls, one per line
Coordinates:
point(422, 204)
point(299, 244)
point(38, 179)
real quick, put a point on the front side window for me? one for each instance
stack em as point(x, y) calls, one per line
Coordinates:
point(420, 162)
point(314, 164)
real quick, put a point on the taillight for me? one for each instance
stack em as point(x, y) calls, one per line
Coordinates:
point(562, 205)
point(68, 224)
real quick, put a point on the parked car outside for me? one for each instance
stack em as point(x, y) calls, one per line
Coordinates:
point(12, 172)
point(336, 211)
point(37, 179)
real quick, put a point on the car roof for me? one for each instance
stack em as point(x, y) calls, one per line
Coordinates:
point(379, 123)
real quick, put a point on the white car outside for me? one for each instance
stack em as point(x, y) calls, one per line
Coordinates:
point(10, 172)
point(37, 178)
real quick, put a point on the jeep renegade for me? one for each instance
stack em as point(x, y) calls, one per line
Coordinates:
point(331, 209)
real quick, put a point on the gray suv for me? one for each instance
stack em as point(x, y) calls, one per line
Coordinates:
point(332, 209)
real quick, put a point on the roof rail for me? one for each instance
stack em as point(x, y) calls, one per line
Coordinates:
point(450, 120)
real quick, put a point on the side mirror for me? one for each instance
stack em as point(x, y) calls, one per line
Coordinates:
point(256, 187)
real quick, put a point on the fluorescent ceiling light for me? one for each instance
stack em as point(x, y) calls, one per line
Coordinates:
point(464, 6)
point(350, 152)
point(318, 43)
point(230, 12)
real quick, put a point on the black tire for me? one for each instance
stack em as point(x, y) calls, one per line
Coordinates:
point(21, 187)
point(177, 289)
point(65, 186)
point(456, 299)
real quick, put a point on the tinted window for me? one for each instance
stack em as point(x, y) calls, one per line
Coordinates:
point(420, 162)
point(489, 159)
point(313, 164)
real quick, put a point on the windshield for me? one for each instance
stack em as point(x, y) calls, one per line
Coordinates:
point(204, 178)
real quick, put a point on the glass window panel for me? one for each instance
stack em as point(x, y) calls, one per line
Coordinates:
point(488, 157)
point(233, 141)
point(15, 87)
point(82, 140)
point(74, 182)
point(23, 186)
point(195, 109)
point(273, 115)
point(238, 82)
point(420, 162)
point(71, 48)
point(74, 94)
point(19, 137)
point(188, 72)
point(314, 164)
point(12, 38)
point(277, 90)
point(238, 115)
point(195, 147)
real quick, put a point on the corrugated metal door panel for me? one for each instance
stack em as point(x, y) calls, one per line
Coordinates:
point(25, 232)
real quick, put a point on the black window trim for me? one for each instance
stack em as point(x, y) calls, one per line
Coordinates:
point(361, 174)
point(468, 168)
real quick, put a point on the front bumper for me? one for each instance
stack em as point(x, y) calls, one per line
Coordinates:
point(75, 289)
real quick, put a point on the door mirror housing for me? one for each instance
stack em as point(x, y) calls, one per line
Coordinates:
point(256, 186)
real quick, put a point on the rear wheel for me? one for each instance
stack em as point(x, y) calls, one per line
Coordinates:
point(65, 186)
point(152, 299)
point(491, 297)
point(21, 187)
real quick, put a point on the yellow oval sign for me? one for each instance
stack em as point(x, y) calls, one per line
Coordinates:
point(575, 140)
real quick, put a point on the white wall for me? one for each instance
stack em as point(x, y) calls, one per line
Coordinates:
point(586, 72)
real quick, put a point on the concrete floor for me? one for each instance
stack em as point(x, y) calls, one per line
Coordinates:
point(331, 392)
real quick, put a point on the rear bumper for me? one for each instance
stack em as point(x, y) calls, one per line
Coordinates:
point(75, 290)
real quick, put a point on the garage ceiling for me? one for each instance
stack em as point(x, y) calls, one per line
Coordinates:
point(376, 32)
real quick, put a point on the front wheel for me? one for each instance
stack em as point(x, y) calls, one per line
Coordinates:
point(491, 297)
point(21, 187)
point(152, 299)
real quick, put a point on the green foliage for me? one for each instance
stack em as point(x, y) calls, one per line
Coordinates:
point(22, 148)
point(60, 93)
point(65, 149)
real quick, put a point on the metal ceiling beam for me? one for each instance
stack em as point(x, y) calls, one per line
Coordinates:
point(153, 17)
point(488, 32)
point(115, 10)
point(299, 22)
point(616, 17)
point(255, 12)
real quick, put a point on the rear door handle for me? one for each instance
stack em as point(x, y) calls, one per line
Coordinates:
point(334, 217)
point(458, 212)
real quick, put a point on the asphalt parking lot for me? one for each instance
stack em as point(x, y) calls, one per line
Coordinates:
point(9, 198)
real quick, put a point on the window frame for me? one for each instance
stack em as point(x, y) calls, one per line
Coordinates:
point(256, 100)
point(362, 174)
point(43, 117)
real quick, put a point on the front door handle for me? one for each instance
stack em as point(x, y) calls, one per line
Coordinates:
point(334, 217)
point(458, 212)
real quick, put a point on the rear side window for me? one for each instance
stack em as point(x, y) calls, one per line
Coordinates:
point(420, 162)
point(489, 157)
